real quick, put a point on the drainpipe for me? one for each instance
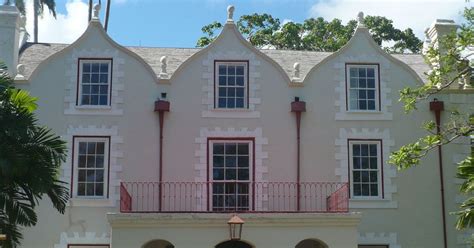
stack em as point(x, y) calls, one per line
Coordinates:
point(161, 106)
point(437, 107)
point(298, 107)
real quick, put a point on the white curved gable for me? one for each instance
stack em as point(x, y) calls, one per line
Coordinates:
point(363, 39)
point(231, 38)
point(95, 36)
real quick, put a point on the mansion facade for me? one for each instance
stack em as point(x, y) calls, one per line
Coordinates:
point(235, 146)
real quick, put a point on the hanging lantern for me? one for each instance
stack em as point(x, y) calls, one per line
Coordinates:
point(235, 227)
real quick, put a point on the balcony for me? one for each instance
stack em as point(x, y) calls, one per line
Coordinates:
point(232, 196)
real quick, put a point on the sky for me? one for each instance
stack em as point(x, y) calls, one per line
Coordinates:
point(178, 23)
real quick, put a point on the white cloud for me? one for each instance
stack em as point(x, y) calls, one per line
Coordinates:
point(65, 29)
point(285, 21)
point(415, 14)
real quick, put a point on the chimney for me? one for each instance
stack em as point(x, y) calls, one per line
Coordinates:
point(439, 28)
point(9, 38)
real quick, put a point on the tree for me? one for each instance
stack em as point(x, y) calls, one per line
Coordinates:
point(314, 34)
point(30, 159)
point(450, 60)
point(38, 6)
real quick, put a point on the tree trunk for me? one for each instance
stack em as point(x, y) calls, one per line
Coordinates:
point(107, 13)
point(36, 10)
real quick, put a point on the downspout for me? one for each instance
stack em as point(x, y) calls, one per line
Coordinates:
point(161, 106)
point(437, 107)
point(297, 107)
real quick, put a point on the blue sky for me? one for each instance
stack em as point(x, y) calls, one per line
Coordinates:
point(178, 23)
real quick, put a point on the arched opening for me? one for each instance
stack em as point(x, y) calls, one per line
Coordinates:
point(233, 244)
point(158, 243)
point(311, 243)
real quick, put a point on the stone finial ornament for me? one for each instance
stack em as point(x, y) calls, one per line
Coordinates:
point(360, 18)
point(230, 13)
point(20, 72)
point(22, 21)
point(427, 42)
point(296, 70)
point(164, 64)
point(96, 11)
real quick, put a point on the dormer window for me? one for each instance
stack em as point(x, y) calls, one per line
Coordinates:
point(94, 86)
point(231, 84)
point(362, 85)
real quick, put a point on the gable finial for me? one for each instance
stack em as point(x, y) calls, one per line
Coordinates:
point(230, 13)
point(296, 71)
point(164, 64)
point(360, 18)
point(96, 11)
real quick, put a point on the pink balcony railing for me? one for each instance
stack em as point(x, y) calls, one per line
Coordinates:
point(231, 196)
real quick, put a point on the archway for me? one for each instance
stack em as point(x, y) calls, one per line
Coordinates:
point(233, 244)
point(311, 243)
point(158, 243)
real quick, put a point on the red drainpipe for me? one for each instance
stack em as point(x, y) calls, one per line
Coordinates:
point(297, 107)
point(161, 106)
point(437, 107)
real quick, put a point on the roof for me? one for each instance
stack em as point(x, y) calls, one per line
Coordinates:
point(32, 54)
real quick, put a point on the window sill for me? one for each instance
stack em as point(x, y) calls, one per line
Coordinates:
point(101, 107)
point(91, 202)
point(93, 110)
point(230, 113)
point(364, 115)
point(372, 203)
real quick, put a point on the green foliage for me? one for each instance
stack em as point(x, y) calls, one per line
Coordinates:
point(30, 159)
point(314, 34)
point(450, 66)
point(466, 172)
point(20, 4)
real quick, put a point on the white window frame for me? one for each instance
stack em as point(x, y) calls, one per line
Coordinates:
point(79, 84)
point(216, 84)
point(75, 179)
point(377, 88)
point(211, 167)
point(379, 169)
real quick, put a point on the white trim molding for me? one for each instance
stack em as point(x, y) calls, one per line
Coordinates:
point(253, 84)
point(86, 238)
point(117, 83)
point(339, 71)
point(115, 153)
point(201, 153)
point(389, 172)
point(390, 239)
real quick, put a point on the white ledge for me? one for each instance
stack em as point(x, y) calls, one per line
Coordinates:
point(215, 219)
point(372, 203)
point(237, 113)
point(91, 202)
point(363, 116)
point(93, 111)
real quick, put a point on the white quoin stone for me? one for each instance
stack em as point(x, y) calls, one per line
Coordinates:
point(9, 37)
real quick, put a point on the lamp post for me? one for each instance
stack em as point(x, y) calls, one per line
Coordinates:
point(235, 227)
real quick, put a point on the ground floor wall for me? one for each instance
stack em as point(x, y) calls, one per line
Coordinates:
point(208, 230)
